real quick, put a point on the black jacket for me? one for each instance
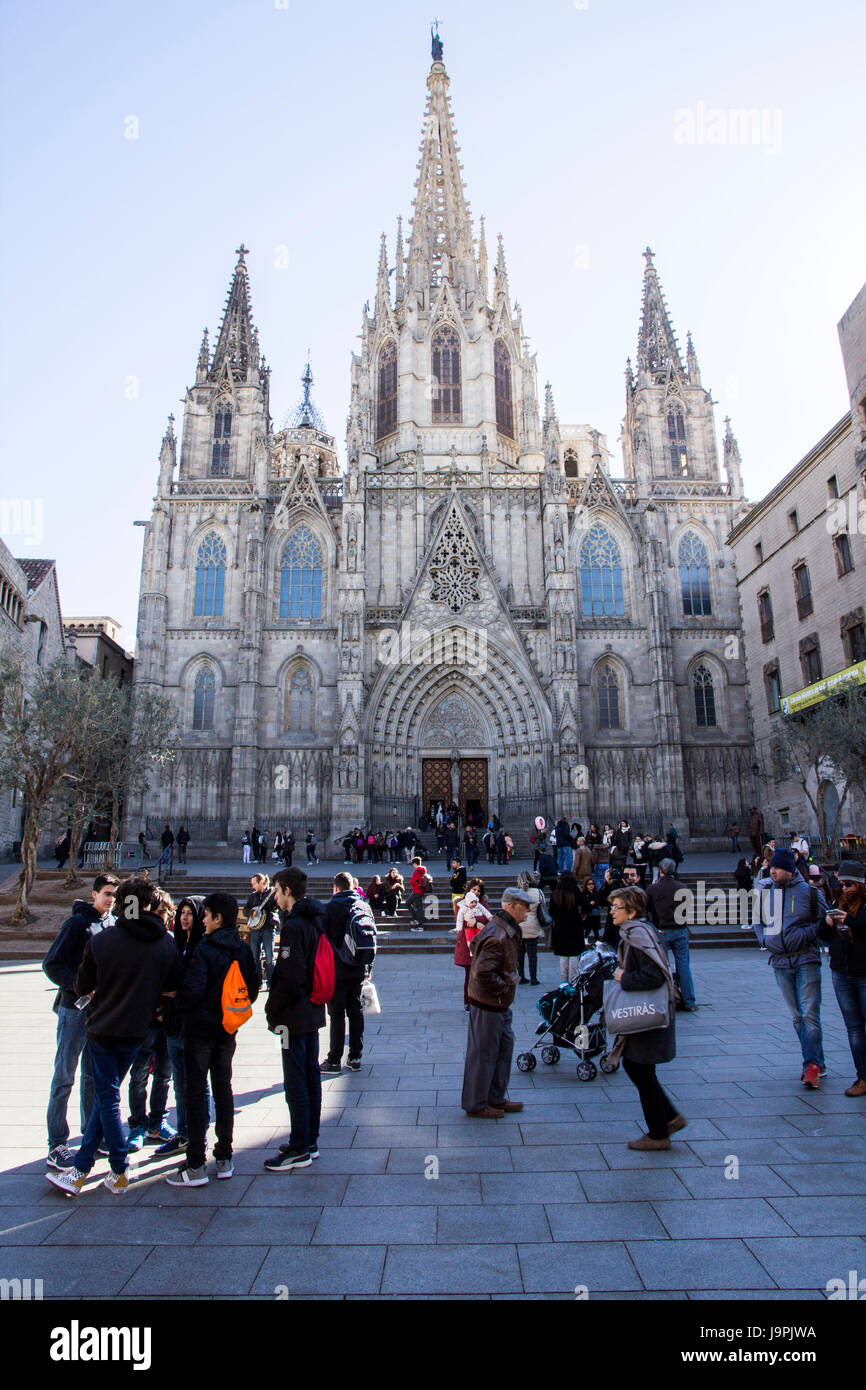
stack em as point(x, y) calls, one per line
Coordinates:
point(172, 1017)
point(659, 1044)
point(562, 830)
point(288, 1002)
point(848, 953)
point(662, 904)
point(567, 932)
point(66, 951)
point(336, 916)
point(200, 997)
point(128, 967)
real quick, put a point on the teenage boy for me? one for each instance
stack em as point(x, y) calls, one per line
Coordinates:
point(347, 905)
point(60, 965)
point(207, 1048)
point(416, 894)
point(125, 971)
point(289, 1009)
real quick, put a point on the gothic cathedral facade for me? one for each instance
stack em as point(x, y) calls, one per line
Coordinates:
point(474, 606)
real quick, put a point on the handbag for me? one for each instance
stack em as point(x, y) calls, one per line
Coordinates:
point(635, 1010)
point(542, 915)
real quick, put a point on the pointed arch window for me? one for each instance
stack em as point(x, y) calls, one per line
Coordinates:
point(570, 463)
point(204, 693)
point(299, 701)
point(677, 442)
point(447, 404)
point(608, 698)
point(210, 577)
point(301, 576)
point(386, 408)
point(705, 699)
point(502, 384)
point(694, 577)
point(222, 442)
point(601, 576)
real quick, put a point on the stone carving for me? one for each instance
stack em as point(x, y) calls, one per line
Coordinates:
point(455, 568)
point(453, 724)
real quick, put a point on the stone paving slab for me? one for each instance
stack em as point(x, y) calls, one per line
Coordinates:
point(410, 1199)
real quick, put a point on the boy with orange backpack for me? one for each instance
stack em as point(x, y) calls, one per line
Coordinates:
point(219, 988)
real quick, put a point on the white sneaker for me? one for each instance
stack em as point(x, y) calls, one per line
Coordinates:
point(225, 1168)
point(69, 1180)
point(188, 1177)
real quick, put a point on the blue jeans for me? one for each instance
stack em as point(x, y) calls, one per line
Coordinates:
point(72, 1045)
point(263, 936)
point(851, 998)
point(564, 858)
point(105, 1126)
point(152, 1049)
point(676, 941)
point(302, 1080)
point(802, 991)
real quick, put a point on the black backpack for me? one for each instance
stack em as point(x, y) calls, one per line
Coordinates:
point(358, 946)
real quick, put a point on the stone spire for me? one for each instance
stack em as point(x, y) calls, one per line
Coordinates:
point(482, 263)
point(235, 345)
point(400, 269)
point(203, 359)
point(167, 458)
point(733, 461)
point(657, 345)
point(500, 275)
point(550, 427)
point(441, 241)
point(692, 362)
point(383, 287)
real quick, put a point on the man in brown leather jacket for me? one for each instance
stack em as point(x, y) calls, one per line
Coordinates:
point(492, 981)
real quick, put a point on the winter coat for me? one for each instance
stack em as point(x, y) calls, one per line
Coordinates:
point(493, 976)
point(566, 933)
point(582, 866)
point(662, 903)
point(335, 921)
point(562, 830)
point(659, 1044)
point(66, 951)
point(790, 933)
point(470, 919)
point(848, 953)
point(200, 996)
point(127, 969)
point(530, 927)
point(288, 1002)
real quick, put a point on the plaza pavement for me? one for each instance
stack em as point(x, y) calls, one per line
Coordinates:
point(530, 1206)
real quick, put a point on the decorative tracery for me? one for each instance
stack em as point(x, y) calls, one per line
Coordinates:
point(455, 568)
point(601, 575)
point(301, 576)
point(694, 576)
point(608, 698)
point(447, 404)
point(705, 698)
point(222, 442)
point(386, 411)
point(210, 577)
point(204, 692)
point(502, 385)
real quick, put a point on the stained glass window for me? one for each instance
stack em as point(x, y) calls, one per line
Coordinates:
point(694, 576)
point(608, 699)
point(222, 442)
point(502, 382)
point(203, 699)
point(210, 575)
point(447, 407)
point(386, 417)
point(705, 699)
point(301, 576)
point(601, 576)
point(677, 442)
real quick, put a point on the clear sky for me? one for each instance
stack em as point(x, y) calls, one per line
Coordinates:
point(588, 131)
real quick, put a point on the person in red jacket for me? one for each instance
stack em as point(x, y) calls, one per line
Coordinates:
point(416, 894)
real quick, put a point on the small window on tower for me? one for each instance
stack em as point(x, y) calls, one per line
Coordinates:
point(502, 382)
point(222, 442)
point(447, 406)
point(677, 442)
point(570, 463)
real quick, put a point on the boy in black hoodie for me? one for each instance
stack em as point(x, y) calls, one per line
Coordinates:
point(60, 964)
point(207, 1047)
point(289, 1008)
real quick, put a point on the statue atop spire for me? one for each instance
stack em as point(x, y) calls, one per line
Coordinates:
point(435, 42)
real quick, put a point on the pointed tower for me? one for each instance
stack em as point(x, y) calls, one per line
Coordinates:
point(668, 431)
point(733, 460)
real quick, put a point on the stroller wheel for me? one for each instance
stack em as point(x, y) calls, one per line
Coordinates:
point(526, 1062)
point(607, 1065)
point(586, 1071)
point(550, 1055)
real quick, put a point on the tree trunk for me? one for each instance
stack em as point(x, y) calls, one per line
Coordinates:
point(112, 834)
point(29, 844)
point(832, 846)
point(75, 832)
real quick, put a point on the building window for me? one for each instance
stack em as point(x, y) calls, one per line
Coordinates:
point(502, 384)
point(705, 699)
point(447, 408)
point(301, 576)
point(601, 576)
point(759, 552)
point(794, 522)
point(608, 699)
point(203, 699)
point(694, 577)
point(386, 414)
point(832, 487)
point(853, 632)
point(210, 576)
point(844, 562)
point(773, 684)
point(810, 659)
point(765, 614)
point(299, 701)
point(677, 442)
point(803, 590)
point(570, 463)
point(40, 644)
point(222, 442)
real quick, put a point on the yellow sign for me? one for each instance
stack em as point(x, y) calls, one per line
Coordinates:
point(831, 685)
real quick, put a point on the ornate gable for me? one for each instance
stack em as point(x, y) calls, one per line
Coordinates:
point(455, 566)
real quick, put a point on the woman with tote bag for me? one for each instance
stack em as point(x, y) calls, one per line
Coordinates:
point(643, 968)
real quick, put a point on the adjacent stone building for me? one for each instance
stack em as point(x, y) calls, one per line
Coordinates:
point(95, 643)
point(480, 605)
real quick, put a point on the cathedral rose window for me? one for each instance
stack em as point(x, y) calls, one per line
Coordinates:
point(454, 568)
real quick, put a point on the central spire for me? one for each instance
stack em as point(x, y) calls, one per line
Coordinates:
point(657, 345)
point(441, 245)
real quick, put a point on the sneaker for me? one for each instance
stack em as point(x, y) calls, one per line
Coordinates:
point(175, 1145)
point(136, 1139)
point(188, 1177)
point(330, 1067)
point(69, 1180)
point(61, 1157)
point(354, 1063)
point(415, 930)
point(161, 1135)
point(811, 1076)
point(286, 1159)
point(116, 1182)
point(225, 1168)
point(102, 1152)
point(314, 1149)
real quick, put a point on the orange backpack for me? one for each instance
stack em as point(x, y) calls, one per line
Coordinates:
point(235, 999)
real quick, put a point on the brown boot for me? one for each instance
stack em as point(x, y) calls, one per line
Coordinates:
point(511, 1107)
point(858, 1089)
point(645, 1142)
point(678, 1122)
point(488, 1113)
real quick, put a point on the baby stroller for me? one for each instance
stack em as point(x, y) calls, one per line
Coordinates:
point(572, 1018)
